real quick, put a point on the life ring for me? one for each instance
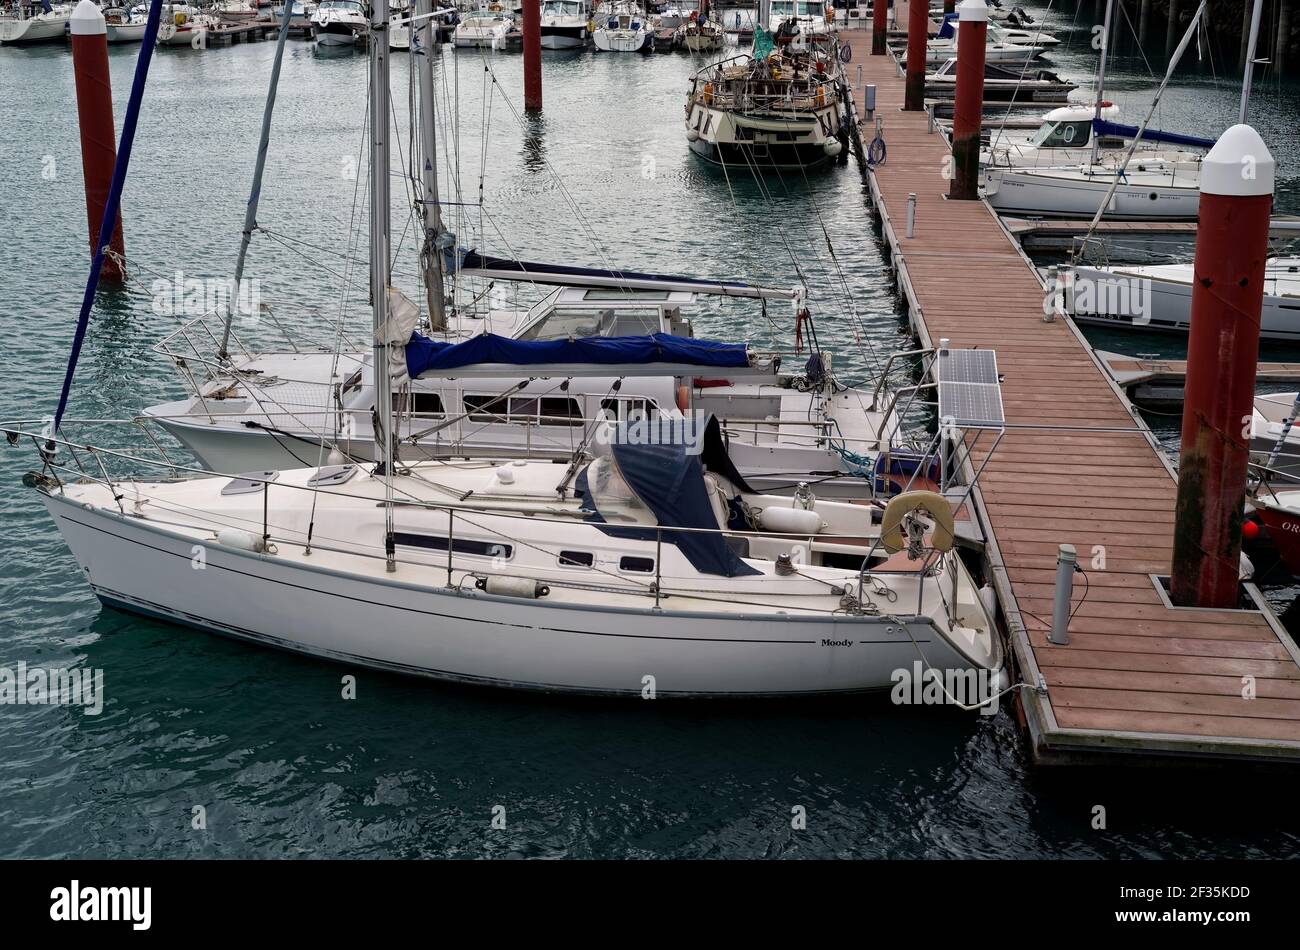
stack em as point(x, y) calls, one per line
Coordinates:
point(933, 504)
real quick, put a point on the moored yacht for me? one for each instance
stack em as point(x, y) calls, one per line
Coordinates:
point(768, 112)
point(27, 25)
point(340, 23)
point(623, 28)
point(564, 23)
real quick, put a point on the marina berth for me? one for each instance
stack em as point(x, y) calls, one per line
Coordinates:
point(623, 28)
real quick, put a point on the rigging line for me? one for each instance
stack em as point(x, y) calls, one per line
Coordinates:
point(582, 219)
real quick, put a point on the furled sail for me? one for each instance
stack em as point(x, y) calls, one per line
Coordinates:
point(1103, 127)
point(424, 355)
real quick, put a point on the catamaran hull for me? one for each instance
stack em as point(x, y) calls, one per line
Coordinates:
point(407, 622)
point(1013, 192)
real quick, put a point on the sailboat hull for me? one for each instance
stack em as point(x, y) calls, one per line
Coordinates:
point(1012, 191)
point(408, 622)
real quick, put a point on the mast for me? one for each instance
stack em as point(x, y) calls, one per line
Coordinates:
point(381, 423)
point(1248, 72)
point(255, 193)
point(431, 254)
point(1101, 77)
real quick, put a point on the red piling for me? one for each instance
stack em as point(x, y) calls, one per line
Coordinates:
point(532, 55)
point(968, 106)
point(1222, 352)
point(918, 29)
point(95, 120)
point(879, 24)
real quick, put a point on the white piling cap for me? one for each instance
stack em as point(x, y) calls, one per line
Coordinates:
point(86, 20)
point(1239, 165)
point(972, 11)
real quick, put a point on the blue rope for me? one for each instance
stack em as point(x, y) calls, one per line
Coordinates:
point(876, 151)
point(114, 202)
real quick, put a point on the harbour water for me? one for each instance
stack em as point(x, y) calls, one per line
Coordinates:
point(264, 743)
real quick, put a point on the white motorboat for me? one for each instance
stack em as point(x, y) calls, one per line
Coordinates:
point(1159, 297)
point(483, 29)
point(674, 14)
point(340, 23)
point(796, 21)
point(780, 111)
point(28, 26)
point(999, 49)
point(623, 29)
point(1275, 436)
point(1020, 36)
point(564, 23)
point(1005, 83)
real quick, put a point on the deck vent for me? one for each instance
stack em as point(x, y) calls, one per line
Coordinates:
point(248, 483)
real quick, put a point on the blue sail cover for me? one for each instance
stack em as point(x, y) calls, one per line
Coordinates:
point(1102, 127)
point(669, 479)
point(948, 29)
point(424, 355)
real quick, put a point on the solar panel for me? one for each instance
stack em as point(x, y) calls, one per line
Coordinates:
point(967, 366)
point(969, 393)
point(971, 404)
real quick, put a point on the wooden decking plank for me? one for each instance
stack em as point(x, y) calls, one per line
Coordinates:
point(1059, 474)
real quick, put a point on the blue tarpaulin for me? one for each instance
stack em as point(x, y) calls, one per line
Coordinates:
point(948, 29)
point(424, 355)
point(668, 478)
point(1102, 127)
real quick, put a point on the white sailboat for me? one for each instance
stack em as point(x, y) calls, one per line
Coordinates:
point(623, 28)
point(27, 26)
point(649, 570)
point(1159, 297)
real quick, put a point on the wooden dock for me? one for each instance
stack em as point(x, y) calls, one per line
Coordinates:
point(1156, 383)
point(1076, 466)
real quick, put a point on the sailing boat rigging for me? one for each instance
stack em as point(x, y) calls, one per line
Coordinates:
point(652, 566)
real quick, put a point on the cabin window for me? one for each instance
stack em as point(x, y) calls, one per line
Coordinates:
point(630, 408)
point(1063, 135)
point(432, 542)
point(421, 403)
point(639, 565)
point(560, 411)
point(577, 559)
point(485, 408)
